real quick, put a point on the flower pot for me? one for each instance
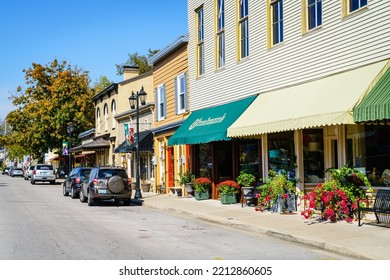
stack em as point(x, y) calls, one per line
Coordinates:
point(190, 189)
point(202, 195)
point(228, 198)
point(145, 187)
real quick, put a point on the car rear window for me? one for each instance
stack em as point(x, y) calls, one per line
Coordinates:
point(85, 172)
point(108, 173)
point(44, 167)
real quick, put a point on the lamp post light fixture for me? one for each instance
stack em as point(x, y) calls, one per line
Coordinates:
point(134, 104)
point(70, 129)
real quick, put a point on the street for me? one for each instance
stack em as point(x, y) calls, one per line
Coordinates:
point(38, 223)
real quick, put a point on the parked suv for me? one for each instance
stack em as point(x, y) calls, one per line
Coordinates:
point(43, 173)
point(28, 172)
point(73, 182)
point(106, 183)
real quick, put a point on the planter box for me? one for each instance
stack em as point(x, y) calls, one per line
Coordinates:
point(227, 198)
point(202, 195)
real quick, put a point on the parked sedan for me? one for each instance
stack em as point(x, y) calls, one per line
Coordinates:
point(73, 182)
point(17, 171)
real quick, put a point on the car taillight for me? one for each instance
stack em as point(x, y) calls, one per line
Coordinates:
point(95, 182)
point(129, 181)
point(35, 172)
point(77, 180)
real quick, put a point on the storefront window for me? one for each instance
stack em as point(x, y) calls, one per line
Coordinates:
point(249, 157)
point(281, 155)
point(205, 162)
point(368, 150)
point(313, 155)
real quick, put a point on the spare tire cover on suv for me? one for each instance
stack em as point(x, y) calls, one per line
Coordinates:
point(116, 184)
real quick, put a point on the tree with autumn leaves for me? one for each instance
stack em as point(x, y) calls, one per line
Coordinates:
point(56, 95)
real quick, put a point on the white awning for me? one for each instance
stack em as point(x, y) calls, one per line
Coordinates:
point(326, 101)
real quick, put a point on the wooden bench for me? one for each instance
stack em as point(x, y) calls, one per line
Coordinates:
point(381, 206)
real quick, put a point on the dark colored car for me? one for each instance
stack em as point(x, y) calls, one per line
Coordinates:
point(106, 183)
point(73, 182)
point(6, 171)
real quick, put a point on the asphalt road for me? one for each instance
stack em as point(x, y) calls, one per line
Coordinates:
point(38, 223)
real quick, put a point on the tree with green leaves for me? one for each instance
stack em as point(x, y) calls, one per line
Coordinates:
point(57, 94)
point(135, 59)
point(101, 84)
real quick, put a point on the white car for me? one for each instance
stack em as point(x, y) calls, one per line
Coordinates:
point(28, 172)
point(43, 173)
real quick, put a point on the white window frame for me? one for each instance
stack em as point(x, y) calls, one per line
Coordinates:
point(220, 33)
point(200, 42)
point(98, 119)
point(243, 28)
point(113, 111)
point(181, 94)
point(317, 14)
point(161, 102)
point(105, 117)
point(349, 7)
point(279, 23)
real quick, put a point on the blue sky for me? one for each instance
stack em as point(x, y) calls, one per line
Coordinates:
point(92, 35)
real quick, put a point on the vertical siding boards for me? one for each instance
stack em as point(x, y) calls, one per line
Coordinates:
point(342, 43)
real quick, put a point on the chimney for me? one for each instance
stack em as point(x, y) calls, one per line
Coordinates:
point(130, 72)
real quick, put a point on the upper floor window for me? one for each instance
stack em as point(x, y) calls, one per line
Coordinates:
point(181, 93)
point(243, 28)
point(276, 21)
point(105, 117)
point(220, 40)
point(98, 120)
point(161, 103)
point(356, 4)
point(313, 13)
point(200, 41)
point(113, 111)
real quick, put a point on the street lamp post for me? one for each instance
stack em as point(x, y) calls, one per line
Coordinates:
point(134, 104)
point(70, 129)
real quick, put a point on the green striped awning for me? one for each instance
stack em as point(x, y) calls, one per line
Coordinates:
point(375, 106)
point(209, 124)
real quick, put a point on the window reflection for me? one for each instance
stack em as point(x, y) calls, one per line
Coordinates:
point(313, 154)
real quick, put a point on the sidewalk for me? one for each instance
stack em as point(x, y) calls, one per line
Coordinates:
point(365, 242)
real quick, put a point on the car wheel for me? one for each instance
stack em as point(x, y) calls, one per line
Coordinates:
point(53, 182)
point(32, 182)
point(72, 193)
point(90, 200)
point(64, 192)
point(82, 197)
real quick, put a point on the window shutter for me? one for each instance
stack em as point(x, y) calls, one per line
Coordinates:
point(185, 93)
point(176, 96)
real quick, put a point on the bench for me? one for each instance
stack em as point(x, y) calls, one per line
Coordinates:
point(381, 206)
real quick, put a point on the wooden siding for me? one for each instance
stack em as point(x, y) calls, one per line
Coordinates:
point(341, 43)
point(165, 72)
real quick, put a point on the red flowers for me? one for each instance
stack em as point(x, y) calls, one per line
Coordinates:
point(228, 186)
point(202, 184)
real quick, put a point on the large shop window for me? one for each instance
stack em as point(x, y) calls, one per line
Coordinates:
point(281, 156)
point(313, 155)
point(249, 157)
point(205, 160)
point(368, 150)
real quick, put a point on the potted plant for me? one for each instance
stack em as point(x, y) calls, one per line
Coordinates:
point(228, 190)
point(202, 187)
point(277, 193)
point(187, 179)
point(245, 180)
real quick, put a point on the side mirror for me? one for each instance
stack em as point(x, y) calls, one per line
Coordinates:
point(66, 176)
